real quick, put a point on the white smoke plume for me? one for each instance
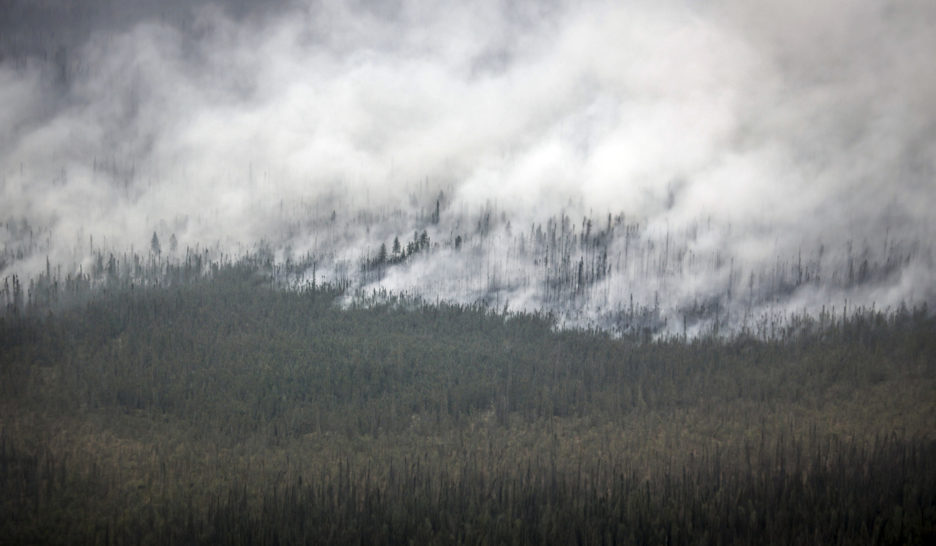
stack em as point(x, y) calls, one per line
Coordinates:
point(740, 156)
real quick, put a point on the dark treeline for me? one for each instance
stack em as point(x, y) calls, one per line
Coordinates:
point(225, 410)
point(810, 493)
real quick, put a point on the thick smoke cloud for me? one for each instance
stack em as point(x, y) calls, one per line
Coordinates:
point(749, 136)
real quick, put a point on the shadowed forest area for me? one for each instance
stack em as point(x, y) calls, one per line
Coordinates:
point(226, 410)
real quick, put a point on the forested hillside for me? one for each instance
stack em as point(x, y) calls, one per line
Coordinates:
point(224, 410)
point(487, 272)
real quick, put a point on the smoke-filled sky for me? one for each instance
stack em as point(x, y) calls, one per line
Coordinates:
point(788, 122)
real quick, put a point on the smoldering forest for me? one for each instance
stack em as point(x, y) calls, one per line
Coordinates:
point(492, 272)
point(675, 166)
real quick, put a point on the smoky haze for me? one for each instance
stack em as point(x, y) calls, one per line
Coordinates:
point(756, 157)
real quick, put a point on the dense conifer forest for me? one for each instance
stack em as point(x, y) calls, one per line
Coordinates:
point(489, 272)
point(225, 409)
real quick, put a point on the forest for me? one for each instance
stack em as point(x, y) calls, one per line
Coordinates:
point(226, 409)
point(491, 272)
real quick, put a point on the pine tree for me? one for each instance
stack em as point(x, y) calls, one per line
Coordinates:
point(154, 244)
point(424, 241)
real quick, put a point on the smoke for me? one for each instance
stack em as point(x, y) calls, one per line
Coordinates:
point(738, 141)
